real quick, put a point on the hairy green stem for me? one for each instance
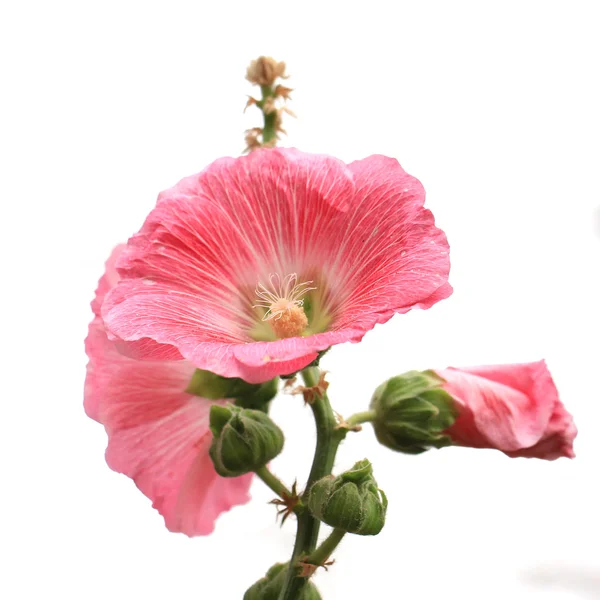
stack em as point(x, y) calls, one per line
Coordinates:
point(329, 436)
point(273, 482)
point(270, 127)
point(325, 550)
point(361, 417)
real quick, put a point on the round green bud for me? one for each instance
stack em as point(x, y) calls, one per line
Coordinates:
point(350, 501)
point(243, 439)
point(412, 412)
point(270, 586)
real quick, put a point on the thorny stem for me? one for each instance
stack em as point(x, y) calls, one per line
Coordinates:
point(329, 437)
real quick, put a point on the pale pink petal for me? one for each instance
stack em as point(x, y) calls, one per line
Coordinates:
point(514, 408)
point(130, 392)
point(94, 343)
point(145, 347)
point(500, 414)
point(557, 439)
point(158, 434)
point(94, 346)
point(168, 459)
point(108, 280)
point(440, 294)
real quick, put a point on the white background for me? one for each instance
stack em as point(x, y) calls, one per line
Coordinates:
point(493, 105)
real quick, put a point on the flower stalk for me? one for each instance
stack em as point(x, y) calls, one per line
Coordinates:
point(329, 437)
point(264, 72)
point(273, 482)
point(269, 134)
point(321, 555)
point(361, 417)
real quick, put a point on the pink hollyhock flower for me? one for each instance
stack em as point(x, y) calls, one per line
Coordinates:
point(514, 408)
point(157, 434)
point(256, 264)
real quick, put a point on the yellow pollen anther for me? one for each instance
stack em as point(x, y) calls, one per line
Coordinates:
point(284, 304)
point(291, 323)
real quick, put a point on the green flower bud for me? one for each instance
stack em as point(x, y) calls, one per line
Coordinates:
point(243, 439)
point(270, 586)
point(248, 395)
point(412, 412)
point(351, 501)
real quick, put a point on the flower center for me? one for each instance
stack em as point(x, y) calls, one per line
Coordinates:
point(283, 302)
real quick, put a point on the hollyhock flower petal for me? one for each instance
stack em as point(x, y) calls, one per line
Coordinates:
point(557, 440)
point(401, 260)
point(514, 408)
point(443, 292)
point(94, 346)
point(145, 347)
point(261, 361)
point(157, 434)
point(94, 342)
point(348, 245)
point(168, 459)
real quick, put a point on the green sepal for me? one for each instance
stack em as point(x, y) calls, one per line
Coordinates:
point(248, 395)
point(413, 411)
point(270, 586)
point(350, 501)
point(243, 439)
point(218, 418)
point(360, 473)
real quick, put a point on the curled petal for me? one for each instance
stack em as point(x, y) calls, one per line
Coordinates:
point(514, 408)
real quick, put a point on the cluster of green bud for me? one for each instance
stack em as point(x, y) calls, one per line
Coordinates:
point(412, 412)
point(244, 440)
point(248, 395)
point(270, 586)
point(351, 501)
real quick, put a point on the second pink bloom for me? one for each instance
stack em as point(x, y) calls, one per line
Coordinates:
point(158, 434)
